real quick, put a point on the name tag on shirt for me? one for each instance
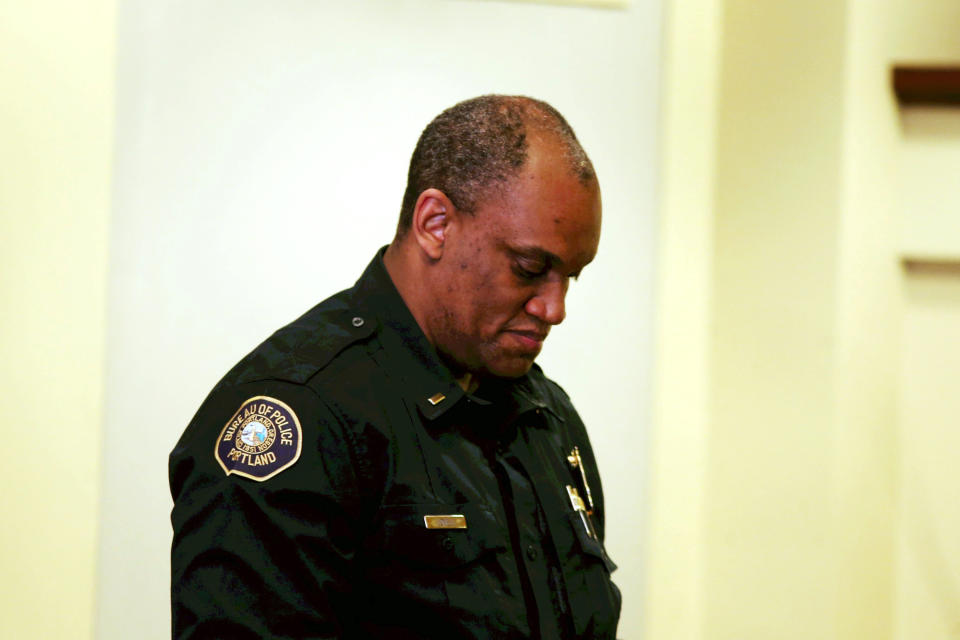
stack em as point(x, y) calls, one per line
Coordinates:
point(455, 521)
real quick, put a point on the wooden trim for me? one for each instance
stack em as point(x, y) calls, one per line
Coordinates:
point(927, 84)
point(942, 265)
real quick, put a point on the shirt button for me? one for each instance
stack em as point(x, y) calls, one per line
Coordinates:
point(357, 321)
point(447, 543)
point(532, 553)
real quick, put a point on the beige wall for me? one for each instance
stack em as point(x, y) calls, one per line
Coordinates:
point(674, 549)
point(926, 597)
point(56, 109)
point(775, 286)
point(790, 507)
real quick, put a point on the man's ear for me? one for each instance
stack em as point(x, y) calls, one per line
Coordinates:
point(431, 222)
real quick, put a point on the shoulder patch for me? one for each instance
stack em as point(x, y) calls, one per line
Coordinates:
point(261, 439)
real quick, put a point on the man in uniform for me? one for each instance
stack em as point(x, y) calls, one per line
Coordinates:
point(393, 464)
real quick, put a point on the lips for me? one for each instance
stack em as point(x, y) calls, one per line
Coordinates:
point(529, 340)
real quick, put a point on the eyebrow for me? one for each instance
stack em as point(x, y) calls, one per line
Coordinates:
point(537, 253)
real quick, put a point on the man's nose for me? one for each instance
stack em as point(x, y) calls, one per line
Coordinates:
point(548, 304)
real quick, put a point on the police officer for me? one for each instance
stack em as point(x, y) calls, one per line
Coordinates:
point(393, 464)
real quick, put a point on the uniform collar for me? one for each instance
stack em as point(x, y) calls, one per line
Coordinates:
point(424, 378)
point(518, 396)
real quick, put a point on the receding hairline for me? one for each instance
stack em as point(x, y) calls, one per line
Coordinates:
point(544, 125)
point(474, 149)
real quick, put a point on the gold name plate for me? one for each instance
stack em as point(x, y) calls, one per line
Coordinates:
point(455, 521)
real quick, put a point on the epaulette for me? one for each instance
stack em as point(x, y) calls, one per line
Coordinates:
point(304, 347)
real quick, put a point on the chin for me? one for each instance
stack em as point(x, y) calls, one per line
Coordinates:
point(513, 368)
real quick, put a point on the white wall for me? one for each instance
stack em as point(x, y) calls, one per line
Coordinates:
point(261, 157)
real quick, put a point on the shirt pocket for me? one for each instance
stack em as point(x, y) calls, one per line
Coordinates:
point(594, 599)
point(590, 545)
point(412, 567)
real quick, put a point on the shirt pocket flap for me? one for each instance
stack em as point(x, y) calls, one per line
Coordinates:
point(403, 534)
point(589, 544)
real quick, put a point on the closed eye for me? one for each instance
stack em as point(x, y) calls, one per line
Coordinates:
point(531, 264)
point(530, 271)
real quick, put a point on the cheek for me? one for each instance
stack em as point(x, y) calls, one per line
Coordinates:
point(498, 312)
point(482, 297)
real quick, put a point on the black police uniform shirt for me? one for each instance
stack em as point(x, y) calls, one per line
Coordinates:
point(338, 483)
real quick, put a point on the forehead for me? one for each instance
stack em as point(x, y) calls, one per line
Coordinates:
point(546, 207)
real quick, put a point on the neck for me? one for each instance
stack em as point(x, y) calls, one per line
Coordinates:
point(406, 272)
point(403, 271)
